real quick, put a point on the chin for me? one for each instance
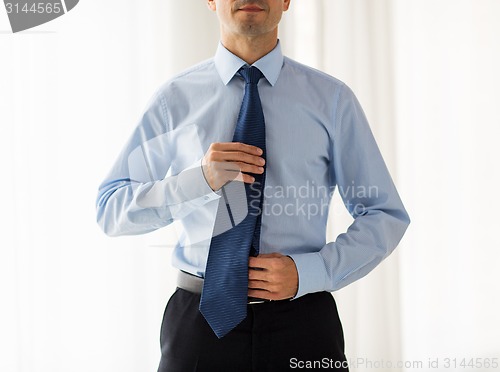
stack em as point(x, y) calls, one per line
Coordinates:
point(251, 29)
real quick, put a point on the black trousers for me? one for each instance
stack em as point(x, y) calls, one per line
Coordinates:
point(275, 336)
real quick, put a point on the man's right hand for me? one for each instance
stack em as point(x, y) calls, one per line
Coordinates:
point(226, 161)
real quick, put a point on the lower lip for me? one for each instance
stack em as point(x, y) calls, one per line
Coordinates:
point(251, 10)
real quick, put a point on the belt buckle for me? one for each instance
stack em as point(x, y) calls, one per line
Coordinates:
point(254, 300)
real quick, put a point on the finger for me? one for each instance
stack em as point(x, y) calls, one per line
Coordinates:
point(231, 166)
point(238, 156)
point(265, 295)
point(237, 146)
point(247, 178)
point(249, 168)
point(263, 260)
point(270, 255)
point(241, 177)
point(259, 263)
point(265, 287)
point(226, 166)
point(258, 293)
point(260, 275)
point(258, 284)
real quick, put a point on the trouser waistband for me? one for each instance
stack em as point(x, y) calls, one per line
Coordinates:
point(194, 284)
point(189, 282)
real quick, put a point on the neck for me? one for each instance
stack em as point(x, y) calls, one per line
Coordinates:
point(250, 48)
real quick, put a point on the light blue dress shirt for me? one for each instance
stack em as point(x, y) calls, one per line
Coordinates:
point(317, 139)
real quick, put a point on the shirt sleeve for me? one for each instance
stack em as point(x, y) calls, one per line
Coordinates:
point(369, 194)
point(137, 196)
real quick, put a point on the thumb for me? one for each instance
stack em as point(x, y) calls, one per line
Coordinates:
point(270, 255)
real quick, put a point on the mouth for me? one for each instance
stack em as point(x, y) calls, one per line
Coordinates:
point(251, 9)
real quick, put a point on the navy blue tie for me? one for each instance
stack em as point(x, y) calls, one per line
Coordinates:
point(224, 296)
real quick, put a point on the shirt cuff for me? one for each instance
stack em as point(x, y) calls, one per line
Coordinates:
point(311, 270)
point(194, 185)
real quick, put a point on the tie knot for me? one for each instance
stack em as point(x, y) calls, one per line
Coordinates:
point(251, 74)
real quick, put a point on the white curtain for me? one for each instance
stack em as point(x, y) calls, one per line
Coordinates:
point(71, 91)
point(426, 73)
point(447, 91)
point(352, 40)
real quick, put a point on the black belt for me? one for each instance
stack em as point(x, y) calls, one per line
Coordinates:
point(194, 284)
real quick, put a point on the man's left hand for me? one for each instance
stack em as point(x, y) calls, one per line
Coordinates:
point(272, 276)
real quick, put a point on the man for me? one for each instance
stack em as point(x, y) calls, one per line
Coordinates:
point(244, 151)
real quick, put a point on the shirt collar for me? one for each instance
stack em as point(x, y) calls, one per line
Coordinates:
point(228, 64)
